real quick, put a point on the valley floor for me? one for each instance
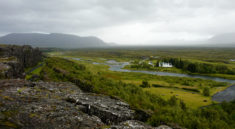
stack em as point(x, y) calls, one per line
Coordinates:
point(190, 90)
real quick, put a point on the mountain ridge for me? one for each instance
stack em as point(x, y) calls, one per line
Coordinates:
point(223, 40)
point(58, 40)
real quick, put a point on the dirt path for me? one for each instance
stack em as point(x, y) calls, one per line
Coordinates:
point(38, 66)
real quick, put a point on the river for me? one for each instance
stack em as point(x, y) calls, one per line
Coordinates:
point(226, 95)
point(118, 66)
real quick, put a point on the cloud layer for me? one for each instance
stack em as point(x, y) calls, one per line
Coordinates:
point(121, 21)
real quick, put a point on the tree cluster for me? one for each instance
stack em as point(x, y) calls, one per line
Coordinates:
point(198, 67)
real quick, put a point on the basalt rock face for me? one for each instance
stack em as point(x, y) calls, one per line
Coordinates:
point(14, 59)
point(50, 105)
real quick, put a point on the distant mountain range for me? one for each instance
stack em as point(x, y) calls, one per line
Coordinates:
point(223, 40)
point(57, 40)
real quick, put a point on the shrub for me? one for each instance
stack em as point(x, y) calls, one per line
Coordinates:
point(183, 105)
point(156, 85)
point(145, 84)
point(172, 101)
point(206, 91)
point(190, 89)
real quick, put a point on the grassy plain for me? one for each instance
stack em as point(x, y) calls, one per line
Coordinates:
point(170, 86)
point(204, 54)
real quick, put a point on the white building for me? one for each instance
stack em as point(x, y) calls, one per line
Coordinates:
point(165, 65)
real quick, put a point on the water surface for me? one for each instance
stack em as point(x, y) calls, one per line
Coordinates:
point(225, 95)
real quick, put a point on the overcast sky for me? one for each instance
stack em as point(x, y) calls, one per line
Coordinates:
point(121, 21)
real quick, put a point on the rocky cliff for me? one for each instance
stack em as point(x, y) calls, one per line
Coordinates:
point(14, 59)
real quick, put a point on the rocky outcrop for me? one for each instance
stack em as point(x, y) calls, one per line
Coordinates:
point(14, 59)
point(11, 68)
point(25, 104)
point(133, 124)
point(41, 105)
point(110, 111)
point(26, 55)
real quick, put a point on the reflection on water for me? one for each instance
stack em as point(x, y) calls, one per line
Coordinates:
point(75, 58)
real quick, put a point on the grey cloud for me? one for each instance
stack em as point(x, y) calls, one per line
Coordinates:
point(79, 16)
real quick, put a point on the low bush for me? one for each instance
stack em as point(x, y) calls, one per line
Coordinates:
point(192, 90)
